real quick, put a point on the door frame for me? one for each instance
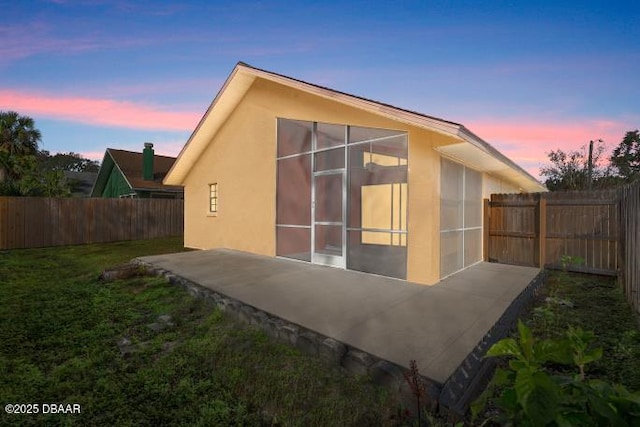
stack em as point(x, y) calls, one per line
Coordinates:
point(339, 261)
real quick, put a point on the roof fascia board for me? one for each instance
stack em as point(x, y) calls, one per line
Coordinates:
point(430, 123)
point(407, 117)
point(478, 142)
point(515, 178)
point(121, 172)
point(176, 174)
point(106, 156)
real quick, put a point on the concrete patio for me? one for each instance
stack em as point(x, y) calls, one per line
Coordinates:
point(438, 326)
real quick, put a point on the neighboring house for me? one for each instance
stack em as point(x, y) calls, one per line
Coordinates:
point(129, 174)
point(81, 183)
point(285, 168)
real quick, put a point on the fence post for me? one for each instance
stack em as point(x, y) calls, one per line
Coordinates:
point(486, 206)
point(542, 227)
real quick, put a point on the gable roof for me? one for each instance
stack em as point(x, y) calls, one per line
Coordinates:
point(130, 165)
point(470, 150)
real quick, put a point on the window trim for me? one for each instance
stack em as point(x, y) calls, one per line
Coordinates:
point(214, 195)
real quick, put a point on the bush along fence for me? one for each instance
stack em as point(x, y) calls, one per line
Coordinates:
point(32, 222)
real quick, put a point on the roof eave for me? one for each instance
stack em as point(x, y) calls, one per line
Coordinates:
point(211, 122)
point(176, 174)
point(120, 169)
point(497, 164)
point(95, 183)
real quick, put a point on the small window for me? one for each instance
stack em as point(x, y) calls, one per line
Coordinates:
point(213, 198)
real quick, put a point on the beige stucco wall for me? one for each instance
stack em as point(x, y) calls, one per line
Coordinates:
point(494, 185)
point(241, 159)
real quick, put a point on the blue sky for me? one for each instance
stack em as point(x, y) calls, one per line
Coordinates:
point(527, 77)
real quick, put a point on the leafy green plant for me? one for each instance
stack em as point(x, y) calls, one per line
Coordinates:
point(567, 260)
point(547, 314)
point(531, 393)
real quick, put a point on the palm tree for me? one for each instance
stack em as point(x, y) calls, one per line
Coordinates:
point(18, 139)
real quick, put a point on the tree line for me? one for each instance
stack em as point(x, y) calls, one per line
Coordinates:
point(576, 170)
point(26, 170)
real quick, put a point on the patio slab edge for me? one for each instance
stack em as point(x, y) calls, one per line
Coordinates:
point(355, 361)
point(472, 375)
point(451, 397)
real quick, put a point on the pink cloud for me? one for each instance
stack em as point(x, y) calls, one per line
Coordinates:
point(92, 155)
point(96, 111)
point(169, 148)
point(527, 141)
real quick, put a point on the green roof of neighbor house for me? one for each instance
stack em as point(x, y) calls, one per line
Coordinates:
point(121, 174)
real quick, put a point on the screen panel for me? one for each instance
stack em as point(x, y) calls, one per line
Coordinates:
point(382, 259)
point(328, 203)
point(460, 217)
point(451, 195)
point(294, 137)
point(329, 160)
point(328, 239)
point(293, 243)
point(293, 197)
point(312, 164)
point(472, 198)
point(329, 135)
point(472, 246)
point(450, 252)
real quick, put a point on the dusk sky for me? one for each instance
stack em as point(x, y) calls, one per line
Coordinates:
point(527, 77)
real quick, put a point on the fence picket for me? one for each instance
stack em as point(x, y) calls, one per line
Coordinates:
point(573, 223)
point(29, 222)
point(602, 227)
point(629, 223)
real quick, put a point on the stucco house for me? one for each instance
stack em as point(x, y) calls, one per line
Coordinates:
point(131, 174)
point(286, 168)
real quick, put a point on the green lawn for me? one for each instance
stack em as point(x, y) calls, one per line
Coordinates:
point(61, 327)
point(59, 344)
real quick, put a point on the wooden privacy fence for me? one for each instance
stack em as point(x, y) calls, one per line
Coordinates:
point(31, 222)
point(630, 243)
point(538, 229)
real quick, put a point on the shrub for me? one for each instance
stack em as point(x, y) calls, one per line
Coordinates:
point(545, 383)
